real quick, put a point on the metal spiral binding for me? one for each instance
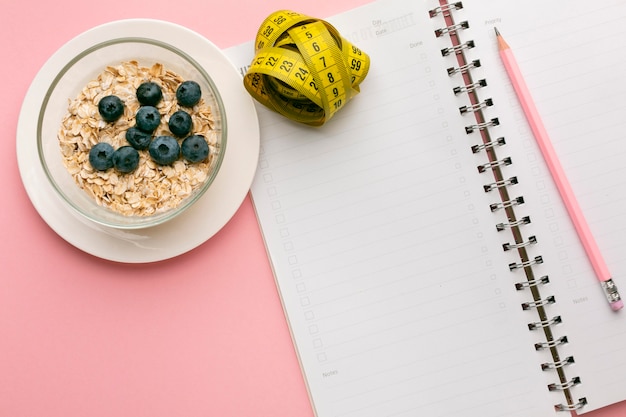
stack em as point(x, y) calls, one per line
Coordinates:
point(450, 29)
point(551, 344)
point(464, 68)
point(502, 226)
point(470, 87)
point(482, 126)
point(562, 387)
point(532, 283)
point(492, 164)
point(534, 304)
point(545, 323)
point(559, 364)
point(510, 246)
point(470, 109)
point(520, 265)
point(446, 8)
point(501, 183)
point(566, 407)
point(506, 204)
point(491, 144)
point(457, 48)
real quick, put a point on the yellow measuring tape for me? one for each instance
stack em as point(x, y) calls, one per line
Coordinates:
point(303, 68)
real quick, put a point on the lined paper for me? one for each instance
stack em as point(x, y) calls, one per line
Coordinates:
point(390, 269)
point(570, 56)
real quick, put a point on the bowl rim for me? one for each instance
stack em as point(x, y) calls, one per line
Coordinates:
point(137, 222)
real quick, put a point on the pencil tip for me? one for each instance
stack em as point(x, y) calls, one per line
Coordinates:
point(502, 45)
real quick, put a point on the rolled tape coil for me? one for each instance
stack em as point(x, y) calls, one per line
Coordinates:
point(303, 68)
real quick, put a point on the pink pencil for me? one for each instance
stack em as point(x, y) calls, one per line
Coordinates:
point(567, 194)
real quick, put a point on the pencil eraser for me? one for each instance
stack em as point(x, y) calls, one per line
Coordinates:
point(617, 305)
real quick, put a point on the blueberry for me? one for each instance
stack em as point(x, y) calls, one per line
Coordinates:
point(149, 94)
point(111, 108)
point(138, 139)
point(148, 118)
point(164, 150)
point(195, 148)
point(180, 123)
point(101, 156)
point(188, 93)
point(126, 159)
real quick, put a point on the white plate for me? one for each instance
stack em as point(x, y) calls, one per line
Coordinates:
point(201, 221)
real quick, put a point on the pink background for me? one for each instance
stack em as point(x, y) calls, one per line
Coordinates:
point(200, 335)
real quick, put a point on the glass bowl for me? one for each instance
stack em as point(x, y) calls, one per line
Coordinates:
point(67, 85)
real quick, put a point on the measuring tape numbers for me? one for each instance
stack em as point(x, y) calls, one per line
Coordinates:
point(303, 68)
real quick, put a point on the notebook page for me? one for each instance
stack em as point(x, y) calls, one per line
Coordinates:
point(398, 299)
point(571, 55)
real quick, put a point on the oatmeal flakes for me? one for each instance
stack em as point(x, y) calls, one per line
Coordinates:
point(150, 188)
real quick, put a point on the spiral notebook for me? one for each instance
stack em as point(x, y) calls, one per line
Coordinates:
point(424, 272)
